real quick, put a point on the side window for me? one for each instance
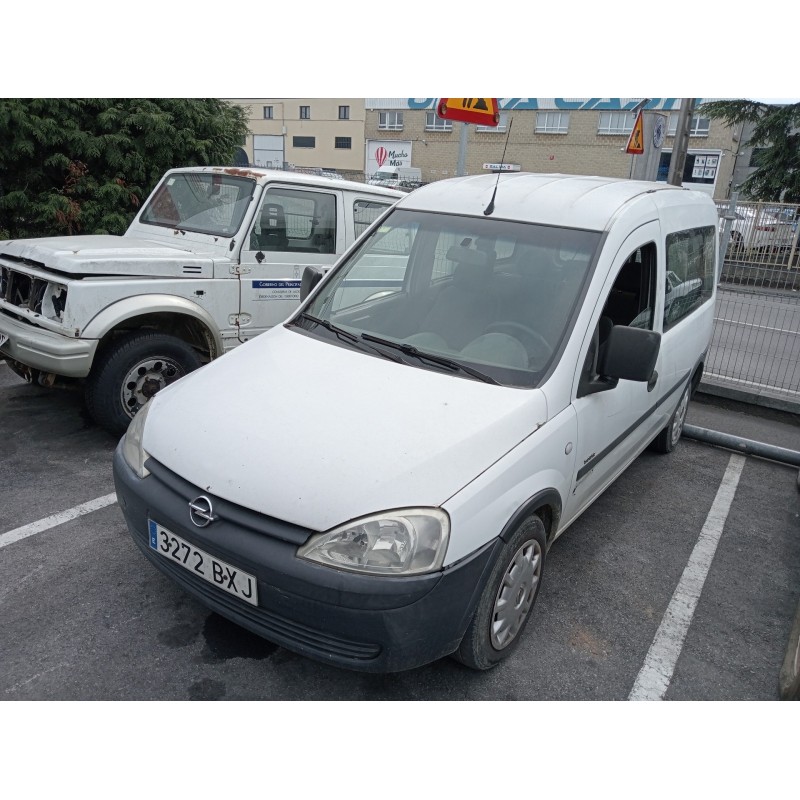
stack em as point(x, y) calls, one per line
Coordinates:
point(632, 297)
point(295, 220)
point(690, 272)
point(365, 212)
point(630, 302)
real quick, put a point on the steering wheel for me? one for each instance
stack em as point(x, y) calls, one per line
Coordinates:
point(532, 340)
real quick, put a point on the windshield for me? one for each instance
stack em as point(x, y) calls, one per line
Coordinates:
point(212, 203)
point(494, 296)
point(384, 176)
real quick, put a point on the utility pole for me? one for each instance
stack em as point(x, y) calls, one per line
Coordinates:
point(678, 160)
point(462, 151)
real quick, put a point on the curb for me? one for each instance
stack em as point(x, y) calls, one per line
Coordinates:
point(751, 396)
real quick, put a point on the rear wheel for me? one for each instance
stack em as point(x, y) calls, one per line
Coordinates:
point(131, 371)
point(666, 440)
point(507, 601)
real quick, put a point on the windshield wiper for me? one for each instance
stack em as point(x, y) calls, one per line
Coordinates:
point(410, 350)
point(340, 332)
point(344, 335)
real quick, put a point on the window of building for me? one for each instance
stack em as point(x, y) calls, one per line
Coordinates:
point(305, 112)
point(501, 127)
point(700, 126)
point(435, 123)
point(344, 112)
point(343, 142)
point(690, 272)
point(552, 121)
point(304, 141)
point(390, 121)
point(268, 111)
point(698, 167)
point(615, 123)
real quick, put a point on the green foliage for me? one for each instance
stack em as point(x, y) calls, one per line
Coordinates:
point(85, 166)
point(776, 129)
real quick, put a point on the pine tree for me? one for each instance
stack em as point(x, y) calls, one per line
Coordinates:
point(85, 166)
point(776, 132)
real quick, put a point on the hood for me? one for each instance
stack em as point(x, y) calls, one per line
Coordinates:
point(317, 434)
point(111, 255)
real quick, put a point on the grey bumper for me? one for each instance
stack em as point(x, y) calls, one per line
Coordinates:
point(45, 350)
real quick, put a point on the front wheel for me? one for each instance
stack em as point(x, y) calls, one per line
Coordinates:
point(507, 601)
point(133, 369)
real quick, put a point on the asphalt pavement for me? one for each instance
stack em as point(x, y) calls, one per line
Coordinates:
point(83, 616)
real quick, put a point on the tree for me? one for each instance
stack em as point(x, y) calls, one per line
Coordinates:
point(84, 166)
point(776, 131)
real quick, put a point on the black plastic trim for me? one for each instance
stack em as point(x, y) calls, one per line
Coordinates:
point(625, 434)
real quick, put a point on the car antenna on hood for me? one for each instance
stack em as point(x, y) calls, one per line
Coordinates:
point(488, 210)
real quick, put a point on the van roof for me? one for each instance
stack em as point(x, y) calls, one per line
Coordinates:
point(575, 201)
point(262, 175)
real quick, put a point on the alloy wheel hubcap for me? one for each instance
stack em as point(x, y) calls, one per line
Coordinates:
point(680, 417)
point(515, 595)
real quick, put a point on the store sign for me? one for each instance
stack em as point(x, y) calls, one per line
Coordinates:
point(503, 167)
point(387, 153)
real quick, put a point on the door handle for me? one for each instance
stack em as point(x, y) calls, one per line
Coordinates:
point(651, 384)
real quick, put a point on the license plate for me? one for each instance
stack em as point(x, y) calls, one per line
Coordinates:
point(226, 577)
point(3, 339)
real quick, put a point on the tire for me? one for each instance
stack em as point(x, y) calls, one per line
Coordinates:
point(666, 440)
point(133, 369)
point(487, 642)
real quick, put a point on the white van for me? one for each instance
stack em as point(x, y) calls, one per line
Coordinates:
point(213, 258)
point(376, 483)
point(397, 177)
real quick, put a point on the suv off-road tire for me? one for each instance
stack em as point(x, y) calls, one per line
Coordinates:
point(164, 360)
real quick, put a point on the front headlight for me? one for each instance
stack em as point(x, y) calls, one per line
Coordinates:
point(132, 449)
point(404, 542)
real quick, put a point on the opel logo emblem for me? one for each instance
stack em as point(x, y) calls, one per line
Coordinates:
point(201, 512)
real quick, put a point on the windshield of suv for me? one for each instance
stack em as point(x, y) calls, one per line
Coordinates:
point(478, 295)
point(212, 203)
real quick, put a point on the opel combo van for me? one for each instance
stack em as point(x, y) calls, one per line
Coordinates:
point(376, 482)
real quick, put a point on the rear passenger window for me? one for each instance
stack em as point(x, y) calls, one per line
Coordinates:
point(690, 272)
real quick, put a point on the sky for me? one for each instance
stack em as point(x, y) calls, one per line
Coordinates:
point(412, 48)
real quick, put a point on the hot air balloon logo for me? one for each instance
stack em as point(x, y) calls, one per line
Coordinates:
point(380, 156)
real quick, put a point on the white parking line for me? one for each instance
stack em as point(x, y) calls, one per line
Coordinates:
point(56, 519)
point(655, 675)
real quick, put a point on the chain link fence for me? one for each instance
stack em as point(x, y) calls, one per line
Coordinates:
point(756, 341)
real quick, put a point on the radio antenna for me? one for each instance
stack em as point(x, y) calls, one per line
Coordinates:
point(488, 210)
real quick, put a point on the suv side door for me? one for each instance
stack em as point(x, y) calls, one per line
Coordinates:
point(294, 227)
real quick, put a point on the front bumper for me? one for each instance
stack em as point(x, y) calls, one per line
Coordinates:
point(361, 622)
point(45, 350)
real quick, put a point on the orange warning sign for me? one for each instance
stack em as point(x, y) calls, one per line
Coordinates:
point(479, 110)
point(636, 141)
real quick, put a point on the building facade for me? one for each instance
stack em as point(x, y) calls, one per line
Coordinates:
point(356, 136)
point(572, 136)
point(305, 132)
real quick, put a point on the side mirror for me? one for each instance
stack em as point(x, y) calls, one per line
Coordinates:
point(629, 354)
point(311, 277)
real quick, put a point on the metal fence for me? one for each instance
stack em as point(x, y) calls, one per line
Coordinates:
point(756, 341)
